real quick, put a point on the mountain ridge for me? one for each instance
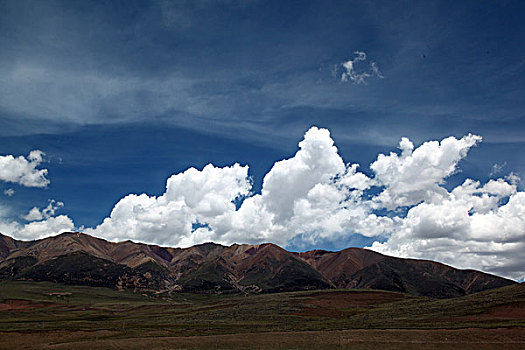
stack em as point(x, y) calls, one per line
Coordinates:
point(215, 268)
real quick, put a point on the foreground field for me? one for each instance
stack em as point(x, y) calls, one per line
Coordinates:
point(469, 339)
point(46, 315)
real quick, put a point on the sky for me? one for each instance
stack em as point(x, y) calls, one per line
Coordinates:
point(396, 126)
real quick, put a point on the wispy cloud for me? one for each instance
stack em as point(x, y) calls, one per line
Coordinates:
point(351, 71)
point(497, 168)
point(9, 192)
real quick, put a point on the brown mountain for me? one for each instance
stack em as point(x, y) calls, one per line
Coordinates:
point(77, 258)
point(362, 268)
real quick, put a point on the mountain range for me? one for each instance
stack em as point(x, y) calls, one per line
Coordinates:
point(78, 258)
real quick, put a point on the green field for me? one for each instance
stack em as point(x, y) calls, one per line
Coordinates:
point(31, 315)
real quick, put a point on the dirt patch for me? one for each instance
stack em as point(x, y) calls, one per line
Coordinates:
point(21, 305)
point(349, 299)
point(511, 311)
point(337, 304)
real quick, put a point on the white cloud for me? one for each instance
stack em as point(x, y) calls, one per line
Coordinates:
point(313, 192)
point(315, 197)
point(469, 228)
point(23, 171)
point(43, 228)
point(49, 211)
point(42, 223)
point(191, 197)
point(474, 225)
point(9, 192)
point(416, 175)
point(359, 76)
point(513, 178)
point(454, 232)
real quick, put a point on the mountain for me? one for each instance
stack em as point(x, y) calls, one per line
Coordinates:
point(362, 268)
point(77, 258)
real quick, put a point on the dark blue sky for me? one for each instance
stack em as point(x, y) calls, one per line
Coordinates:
point(122, 94)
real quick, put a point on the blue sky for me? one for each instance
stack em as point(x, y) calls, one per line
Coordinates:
point(120, 95)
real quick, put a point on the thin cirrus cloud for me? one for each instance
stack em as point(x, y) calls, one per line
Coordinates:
point(318, 197)
point(23, 171)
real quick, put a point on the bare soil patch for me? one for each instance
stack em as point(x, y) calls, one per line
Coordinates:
point(21, 305)
point(331, 304)
point(512, 311)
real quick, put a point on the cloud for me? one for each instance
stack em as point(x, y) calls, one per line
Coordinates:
point(9, 192)
point(49, 211)
point(470, 229)
point(313, 193)
point(48, 227)
point(375, 70)
point(417, 175)
point(191, 197)
point(474, 225)
point(314, 197)
point(23, 171)
point(42, 222)
point(497, 168)
point(359, 76)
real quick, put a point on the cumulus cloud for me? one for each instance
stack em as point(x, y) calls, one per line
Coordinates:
point(23, 171)
point(467, 230)
point(192, 197)
point(43, 228)
point(314, 196)
point(42, 222)
point(474, 225)
point(36, 214)
point(314, 192)
point(359, 76)
point(416, 175)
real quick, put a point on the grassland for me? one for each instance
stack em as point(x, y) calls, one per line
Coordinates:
point(46, 315)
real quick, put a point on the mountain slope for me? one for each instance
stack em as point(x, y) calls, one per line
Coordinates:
point(362, 268)
point(76, 258)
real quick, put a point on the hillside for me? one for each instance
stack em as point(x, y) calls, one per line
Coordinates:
point(80, 259)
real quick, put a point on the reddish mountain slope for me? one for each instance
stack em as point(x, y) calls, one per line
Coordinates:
point(78, 258)
point(362, 268)
point(338, 267)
